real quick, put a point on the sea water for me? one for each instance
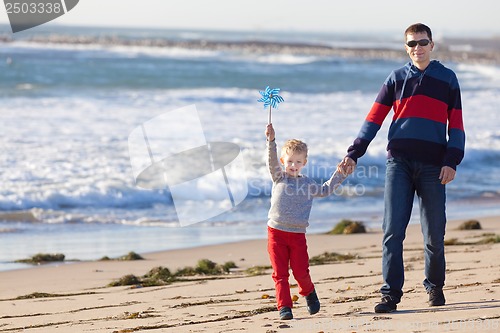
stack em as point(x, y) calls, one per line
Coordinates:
point(68, 107)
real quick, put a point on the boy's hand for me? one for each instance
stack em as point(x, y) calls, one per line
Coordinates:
point(270, 132)
point(346, 166)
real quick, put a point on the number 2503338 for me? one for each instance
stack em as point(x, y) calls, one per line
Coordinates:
point(33, 8)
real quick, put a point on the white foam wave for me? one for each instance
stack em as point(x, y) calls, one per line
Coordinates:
point(491, 72)
point(100, 51)
point(72, 152)
point(286, 59)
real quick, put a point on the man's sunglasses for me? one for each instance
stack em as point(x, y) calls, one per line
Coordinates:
point(422, 42)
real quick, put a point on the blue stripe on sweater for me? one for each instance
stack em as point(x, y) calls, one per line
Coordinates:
point(418, 128)
point(457, 138)
point(368, 130)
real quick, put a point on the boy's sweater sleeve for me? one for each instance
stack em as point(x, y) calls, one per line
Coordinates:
point(330, 185)
point(272, 161)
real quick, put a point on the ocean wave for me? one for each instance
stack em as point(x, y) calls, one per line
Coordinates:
point(367, 181)
point(99, 50)
point(70, 154)
point(62, 197)
point(286, 59)
point(489, 72)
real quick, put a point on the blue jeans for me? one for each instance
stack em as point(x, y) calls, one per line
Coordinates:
point(404, 178)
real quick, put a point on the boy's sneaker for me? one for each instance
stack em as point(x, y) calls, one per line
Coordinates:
point(436, 297)
point(388, 304)
point(286, 313)
point(312, 302)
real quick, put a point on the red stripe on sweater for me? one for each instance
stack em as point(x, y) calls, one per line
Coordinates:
point(455, 119)
point(377, 113)
point(421, 106)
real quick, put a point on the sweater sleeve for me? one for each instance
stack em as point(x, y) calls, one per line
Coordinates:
point(273, 164)
point(456, 134)
point(329, 186)
point(373, 121)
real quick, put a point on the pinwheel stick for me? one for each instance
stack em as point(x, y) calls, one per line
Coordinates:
point(269, 118)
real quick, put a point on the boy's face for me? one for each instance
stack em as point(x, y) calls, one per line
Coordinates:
point(294, 163)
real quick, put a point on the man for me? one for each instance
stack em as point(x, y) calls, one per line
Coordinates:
point(426, 143)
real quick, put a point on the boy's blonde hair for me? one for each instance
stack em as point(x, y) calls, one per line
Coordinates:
point(293, 146)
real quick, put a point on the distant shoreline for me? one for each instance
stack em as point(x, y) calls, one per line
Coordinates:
point(476, 51)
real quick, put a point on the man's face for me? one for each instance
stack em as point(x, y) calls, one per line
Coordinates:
point(419, 54)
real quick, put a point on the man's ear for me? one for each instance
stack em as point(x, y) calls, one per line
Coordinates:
point(281, 160)
point(305, 162)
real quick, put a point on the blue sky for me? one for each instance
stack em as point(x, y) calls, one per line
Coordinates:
point(448, 17)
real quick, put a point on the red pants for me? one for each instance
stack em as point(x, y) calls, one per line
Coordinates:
point(288, 249)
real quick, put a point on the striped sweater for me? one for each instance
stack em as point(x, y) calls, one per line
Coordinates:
point(427, 125)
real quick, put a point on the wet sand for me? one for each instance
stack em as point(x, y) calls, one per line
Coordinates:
point(76, 297)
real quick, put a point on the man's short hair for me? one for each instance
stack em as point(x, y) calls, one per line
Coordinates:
point(419, 27)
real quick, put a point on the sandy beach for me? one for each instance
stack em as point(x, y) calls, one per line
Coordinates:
point(77, 298)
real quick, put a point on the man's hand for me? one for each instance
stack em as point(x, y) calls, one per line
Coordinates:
point(270, 132)
point(447, 175)
point(346, 166)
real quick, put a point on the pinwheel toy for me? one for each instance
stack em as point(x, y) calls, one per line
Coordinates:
point(271, 98)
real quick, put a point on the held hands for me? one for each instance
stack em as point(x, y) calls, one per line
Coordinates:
point(346, 166)
point(270, 135)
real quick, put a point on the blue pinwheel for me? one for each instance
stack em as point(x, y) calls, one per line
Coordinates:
point(271, 98)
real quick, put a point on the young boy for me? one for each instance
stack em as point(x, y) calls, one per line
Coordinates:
point(291, 202)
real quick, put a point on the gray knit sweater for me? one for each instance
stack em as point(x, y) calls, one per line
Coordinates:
point(291, 198)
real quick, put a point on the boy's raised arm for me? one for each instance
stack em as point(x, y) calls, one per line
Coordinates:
point(272, 155)
point(270, 135)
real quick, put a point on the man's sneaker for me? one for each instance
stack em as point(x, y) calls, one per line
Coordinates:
point(436, 297)
point(286, 313)
point(312, 302)
point(388, 304)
